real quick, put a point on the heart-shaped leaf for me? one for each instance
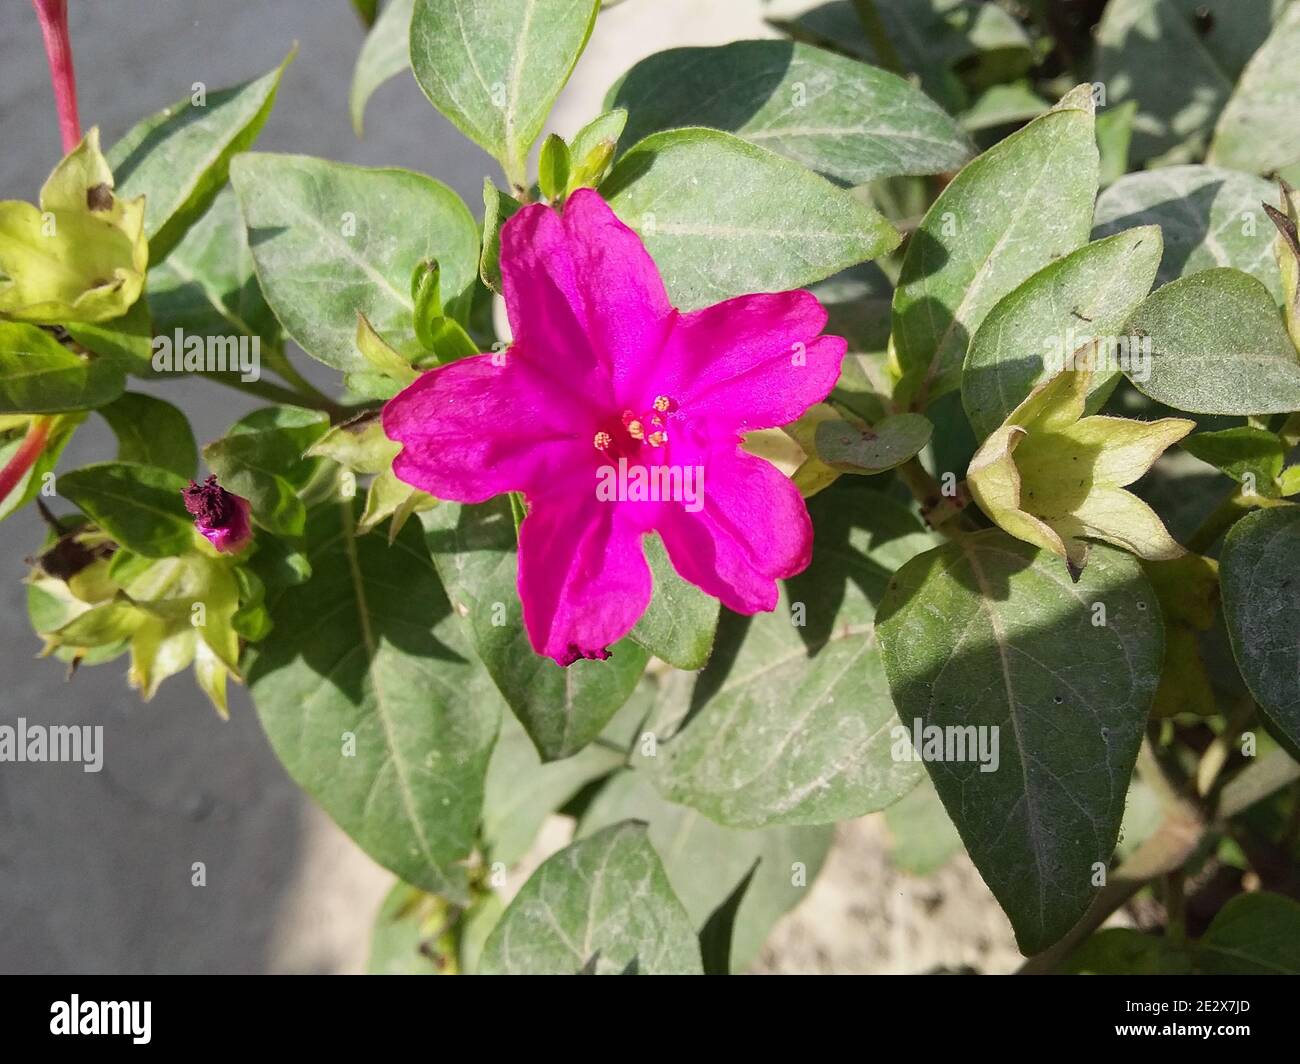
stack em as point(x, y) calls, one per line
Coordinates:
point(1027, 696)
point(791, 721)
point(38, 375)
point(888, 443)
point(495, 67)
point(603, 906)
point(1218, 346)
point(331, 241)
point(1053, 317)
point(1261, 605)
point(1021, 205)
point(731, 234)
point(375, 704)
point(179, 158)
point(833, 114)
point(1208, 217)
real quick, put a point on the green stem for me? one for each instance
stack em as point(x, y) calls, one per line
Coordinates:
point(281, 365)
point(277, 393)
point(886, 55)
point(1176, 907)
point(1220, 519)
point(943, 513)
point(1217, 753)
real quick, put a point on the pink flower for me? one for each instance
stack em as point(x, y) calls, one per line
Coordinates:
point(220, 517)
point(606, 385)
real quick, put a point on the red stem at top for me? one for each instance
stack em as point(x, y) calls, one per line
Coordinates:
point(53, 15)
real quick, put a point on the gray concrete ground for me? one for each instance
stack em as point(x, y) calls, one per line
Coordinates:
point(96, 869)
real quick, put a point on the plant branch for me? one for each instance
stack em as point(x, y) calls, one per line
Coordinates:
point(942, 512)
point(1220, 519)
point(278, 393)
point(53, 16)
point(26, 455)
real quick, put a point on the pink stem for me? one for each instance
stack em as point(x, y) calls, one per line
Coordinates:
point(53, 15)
point(25, 457)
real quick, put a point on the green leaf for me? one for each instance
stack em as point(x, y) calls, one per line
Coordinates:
point(924, 835)
point(495, 67)
point(888, 443)
point(931, 37)
point(718, 931)
point(1250, 456)
point(1139, 44)
point(498, 207)
point(790, 723)
point(1021, 205)
point(1261, 605)
point(834, 115)
point(331, 240)
point(989, 633)
point(522, 790)
point(152, 432)
point(1004, 105)
point(262, 459)
point(139, 506)
point(207, 286)
point(602, 906)
point(1209, 217)
point(704, 860)
point(562, 709)
point(375, 704)
point(1031, 332)
point(38, 375)
point(1127, 951)
point(1114, 135)
point(366, 10)
point(1254, 934)
point(179, 158)
point(1218, 346)
point(553, 167)
point(127, 340)
point(1259, 130)
point(592, 150)
point(733, 233)
point(385, 54)
point(375, 350)
point(679, 624)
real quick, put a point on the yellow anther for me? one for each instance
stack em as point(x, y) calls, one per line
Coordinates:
point(602, 440)
point(657, 439)
point(634, 430)
point(662, 403)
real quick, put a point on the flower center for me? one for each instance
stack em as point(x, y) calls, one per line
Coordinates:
point(649, 428)
point(208, 503)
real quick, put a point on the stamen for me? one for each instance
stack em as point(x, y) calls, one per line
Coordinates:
point(665, 404)
point(657, 438)
point(602, 441)
point(635, 430)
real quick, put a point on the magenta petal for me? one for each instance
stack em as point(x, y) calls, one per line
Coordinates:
point(752, 362)
point(626, 306)
point(544, 302)
point(583, 578)
point(475, 429)
point(752, 531)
